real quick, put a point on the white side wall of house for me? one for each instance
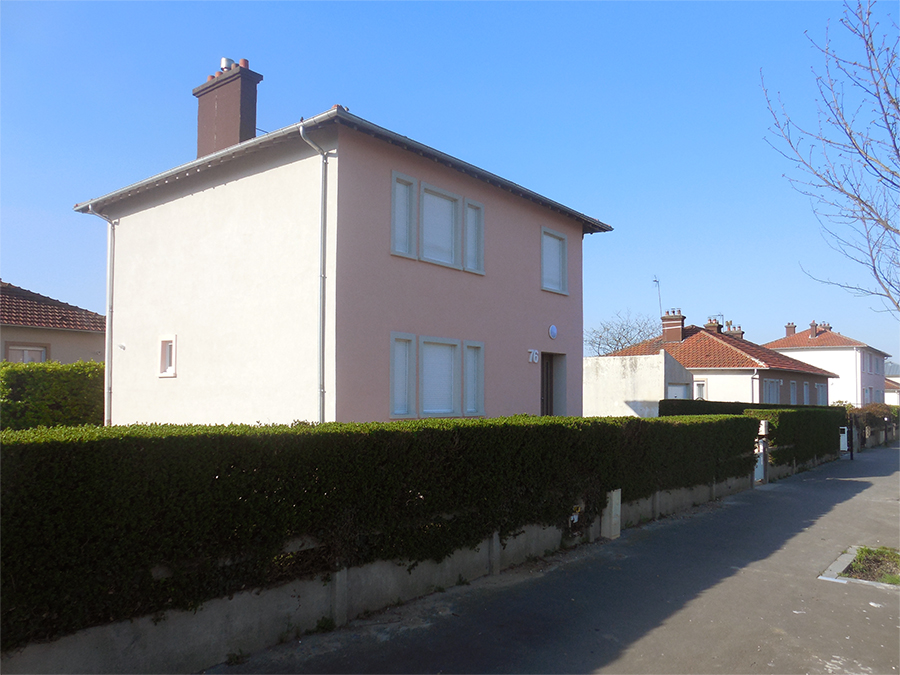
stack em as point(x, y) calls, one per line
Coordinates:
point(618, 386)
point(226, 265)
point(729, 385)
point(847, 362)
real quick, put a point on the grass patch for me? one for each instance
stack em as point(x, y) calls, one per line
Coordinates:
point(875, 564)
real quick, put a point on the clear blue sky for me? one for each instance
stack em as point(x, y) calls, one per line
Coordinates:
point(649, 116)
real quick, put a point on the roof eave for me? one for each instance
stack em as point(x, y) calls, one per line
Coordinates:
point(340, 116)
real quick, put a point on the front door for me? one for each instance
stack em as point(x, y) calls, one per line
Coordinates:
point(546, 384)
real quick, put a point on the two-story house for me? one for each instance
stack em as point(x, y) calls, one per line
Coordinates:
point(860, 367)
point(335, 270)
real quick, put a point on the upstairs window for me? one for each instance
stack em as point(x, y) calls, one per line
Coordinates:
point(554, 262)
point(436, 226)
point(440, 227)
point(474, 238)
point(403, 215)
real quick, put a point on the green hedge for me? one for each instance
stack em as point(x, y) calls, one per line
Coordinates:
point(50, 394)
point(89, 513)
point(802, 434)
point(671, 406)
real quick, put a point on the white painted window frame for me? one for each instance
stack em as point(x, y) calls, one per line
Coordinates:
point(793, 392)
point(168, 355)
point(561, 237)
point(700, 385)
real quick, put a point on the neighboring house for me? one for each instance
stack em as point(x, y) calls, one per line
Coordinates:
point(336, 270)
point(891, 383)
point(860, 367)
point(723, 366)
point(633, 385)
point(36, 328)
point(891, 391)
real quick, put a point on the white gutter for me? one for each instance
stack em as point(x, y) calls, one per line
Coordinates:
point(110, 270)
point(323, 230)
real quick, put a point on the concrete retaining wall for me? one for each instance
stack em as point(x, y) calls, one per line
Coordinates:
point(251, 621)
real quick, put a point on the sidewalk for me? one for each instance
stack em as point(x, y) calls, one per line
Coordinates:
point(732, 587)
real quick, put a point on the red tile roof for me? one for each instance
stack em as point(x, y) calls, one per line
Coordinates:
point(19, 307)
point(890, 385)
point(825, 337)
point(702, 348)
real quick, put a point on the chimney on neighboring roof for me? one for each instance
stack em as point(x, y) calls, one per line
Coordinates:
point(226, 107)
point(673, 326)
point(713, 326)
point(812, 329)
point(735, 332)
point(826, 326)
point(790, 329)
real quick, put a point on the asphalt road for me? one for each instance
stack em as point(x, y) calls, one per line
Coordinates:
point(732, 587)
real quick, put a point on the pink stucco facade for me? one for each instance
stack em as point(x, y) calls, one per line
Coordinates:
point(505, 308)
point(216, 288)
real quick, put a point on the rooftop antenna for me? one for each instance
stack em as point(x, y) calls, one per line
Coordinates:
point(658, 293)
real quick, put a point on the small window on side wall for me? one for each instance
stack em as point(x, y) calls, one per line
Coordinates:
point(167, 356)
point(554, 262)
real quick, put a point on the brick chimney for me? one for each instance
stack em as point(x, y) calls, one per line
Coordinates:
point(713, 326)
point(673, 326)
point(789, 329)
point(812, 329)
point(226, 107)
point(734, 331)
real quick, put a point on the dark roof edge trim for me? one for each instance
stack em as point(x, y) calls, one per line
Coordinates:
point(340, 116)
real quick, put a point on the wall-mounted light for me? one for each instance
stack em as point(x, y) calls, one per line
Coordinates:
point(553, 332)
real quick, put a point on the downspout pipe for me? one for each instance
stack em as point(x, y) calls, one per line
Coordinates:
point(323, 230)
point(110, 275)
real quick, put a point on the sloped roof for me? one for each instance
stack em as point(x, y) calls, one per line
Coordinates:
point(19, 307)
point(336, 115)
point(890, 385)
point(704, 349)
point(825, 338)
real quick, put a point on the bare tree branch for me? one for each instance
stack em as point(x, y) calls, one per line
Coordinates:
point(619, 332)
point(849, 162)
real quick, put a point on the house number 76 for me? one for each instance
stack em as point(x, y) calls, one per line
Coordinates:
point(534, 356)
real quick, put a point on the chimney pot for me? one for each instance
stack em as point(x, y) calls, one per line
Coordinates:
point(244, 63)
